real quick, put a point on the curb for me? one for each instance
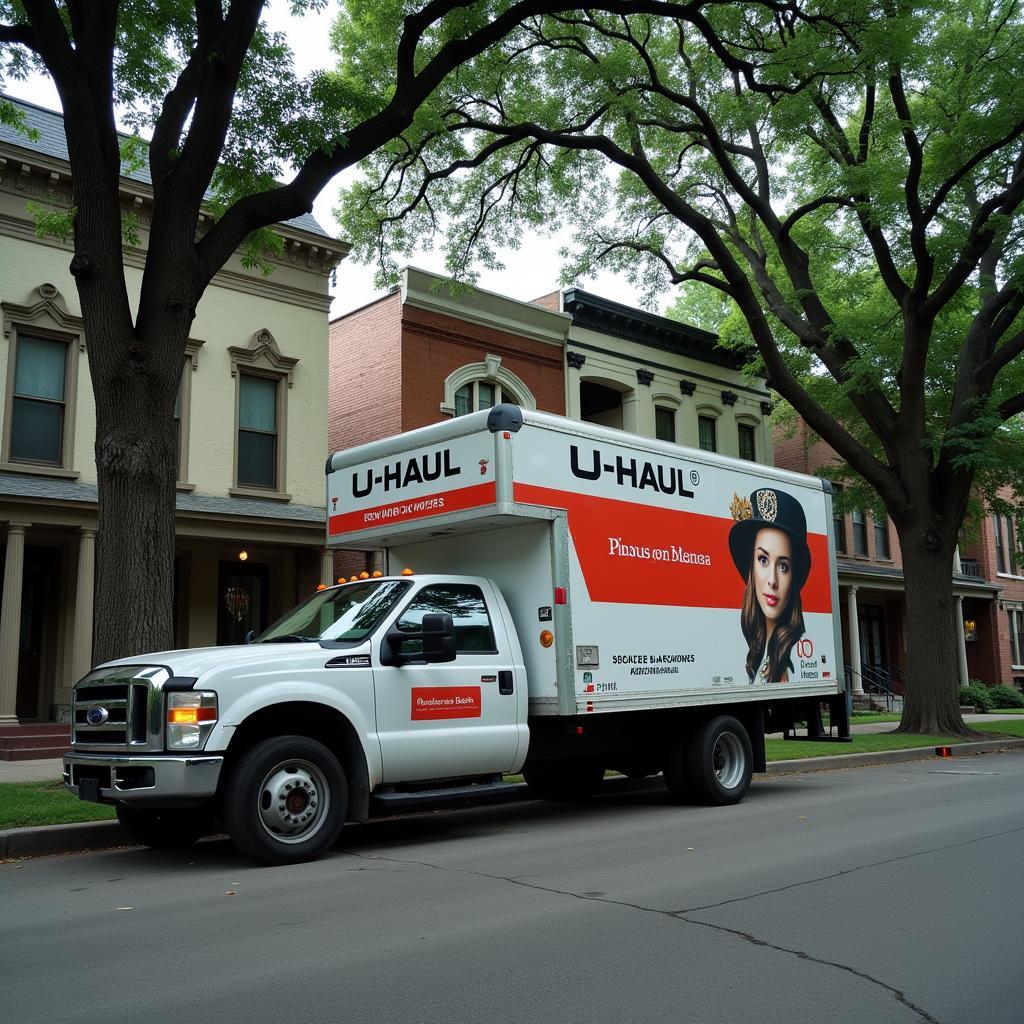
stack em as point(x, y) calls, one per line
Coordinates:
point(824, 764)
point(48, 840)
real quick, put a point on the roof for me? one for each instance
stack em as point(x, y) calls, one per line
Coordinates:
point(51, 142)
point(621, 321)
point(16, 485)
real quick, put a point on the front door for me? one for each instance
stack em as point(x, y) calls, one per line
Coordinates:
point(872, 637)
point(39, 585)
point(241, 601)
point(447, 720)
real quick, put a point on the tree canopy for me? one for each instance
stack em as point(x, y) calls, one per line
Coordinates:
point(226, 115)
point(847, 177)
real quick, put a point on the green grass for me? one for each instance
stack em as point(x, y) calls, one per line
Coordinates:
point(871, 743)
point(861, 717)
point(45, 803)
point(1007, 711)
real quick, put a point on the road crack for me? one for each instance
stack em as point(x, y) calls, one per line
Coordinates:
point(680, 915)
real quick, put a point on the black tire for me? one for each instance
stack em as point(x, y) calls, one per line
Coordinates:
point(164, 828)
point(286, 801)
point(564, 780)
point(719, 761)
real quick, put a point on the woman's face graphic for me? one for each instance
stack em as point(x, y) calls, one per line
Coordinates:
point(772, 573)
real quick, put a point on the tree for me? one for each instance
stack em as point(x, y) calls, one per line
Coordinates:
point(226, 113)
point(848, 176)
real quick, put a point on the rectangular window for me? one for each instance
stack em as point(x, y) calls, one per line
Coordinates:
point(881, 538)
point(1011, 546)
point(860, 534)
point(38, 399)
point(257, 431)
point(706, 433)
point(748, 448)
point(1016, 620)
point(997, 529)
point(665, 424)
point(838, 520)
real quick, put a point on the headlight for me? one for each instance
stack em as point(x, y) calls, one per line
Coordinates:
point(191, 716)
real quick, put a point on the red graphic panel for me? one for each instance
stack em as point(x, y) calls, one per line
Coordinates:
point(433, 702)
point(413, 508)
point(663, 556)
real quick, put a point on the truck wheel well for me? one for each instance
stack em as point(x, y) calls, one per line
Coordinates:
point(318, 722)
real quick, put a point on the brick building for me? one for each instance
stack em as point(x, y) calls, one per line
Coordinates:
point(872, 595)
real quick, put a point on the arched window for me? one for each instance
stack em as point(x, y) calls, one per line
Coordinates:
point(483, 385)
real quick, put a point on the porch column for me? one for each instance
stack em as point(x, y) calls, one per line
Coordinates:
point(853, 626)
point(631, 411)
point(10, 622)
point(327, 566)
point(961, 641)
point(81, 645)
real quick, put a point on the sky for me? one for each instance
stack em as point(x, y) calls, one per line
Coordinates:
point(530, 271)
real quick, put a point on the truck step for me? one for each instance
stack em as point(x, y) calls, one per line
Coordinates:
point(495, 791)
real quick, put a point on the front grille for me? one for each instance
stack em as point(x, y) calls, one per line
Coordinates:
point(120, 714)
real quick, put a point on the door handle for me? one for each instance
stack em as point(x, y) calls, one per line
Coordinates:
point(505, 681)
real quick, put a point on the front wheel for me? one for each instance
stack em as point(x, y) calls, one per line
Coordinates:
point(286, 800)
point(719, 761)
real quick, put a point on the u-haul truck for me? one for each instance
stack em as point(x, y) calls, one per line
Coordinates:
point(555, 598)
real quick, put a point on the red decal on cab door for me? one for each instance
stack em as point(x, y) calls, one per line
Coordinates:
point(663, 556)
point(413, 508)
point(433, 702)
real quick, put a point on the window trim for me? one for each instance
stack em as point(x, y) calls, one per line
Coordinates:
point(190, 366)
point(489, 371)
point(1016, 638)
point(863, 524)
point(663, 403)
point(48, 319)
point(262, 358)
point(742, 425)
point(712, 415)
point(883, 529)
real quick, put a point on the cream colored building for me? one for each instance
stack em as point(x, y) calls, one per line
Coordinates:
point(252, 429)
point(657, 377)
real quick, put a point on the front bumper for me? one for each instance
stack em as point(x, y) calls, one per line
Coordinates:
point(114, 778)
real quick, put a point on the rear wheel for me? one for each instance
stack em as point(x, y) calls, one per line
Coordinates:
point(718, 761)
point(286, 800)
point(564, 780)
point(164, 828)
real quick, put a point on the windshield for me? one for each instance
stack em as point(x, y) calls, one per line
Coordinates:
point(347, 613)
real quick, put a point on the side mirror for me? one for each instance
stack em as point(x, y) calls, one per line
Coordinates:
point(433, 642)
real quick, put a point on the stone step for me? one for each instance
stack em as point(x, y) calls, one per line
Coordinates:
point(36, 729)
point(27, 742)
point(33, 753)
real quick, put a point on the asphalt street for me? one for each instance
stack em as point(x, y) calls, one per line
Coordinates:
point(887, 894)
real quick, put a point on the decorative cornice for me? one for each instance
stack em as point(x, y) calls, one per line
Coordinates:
point(575, 360)
point(729, 397)
point(687, 387)
point(766, 408)
point(645, 377)
point(49, 305)
point(263, 351)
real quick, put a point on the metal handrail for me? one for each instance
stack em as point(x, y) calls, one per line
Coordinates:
point(874, 681)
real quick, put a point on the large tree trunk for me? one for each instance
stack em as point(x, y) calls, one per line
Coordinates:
point(136, 470)
point(932, 703)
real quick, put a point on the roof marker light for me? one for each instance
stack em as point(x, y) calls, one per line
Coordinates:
point(364, 575)
point(407, 572)
point(377, 574)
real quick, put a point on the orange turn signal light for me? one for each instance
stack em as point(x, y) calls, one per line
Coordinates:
point(547, 638)
point(190, 716)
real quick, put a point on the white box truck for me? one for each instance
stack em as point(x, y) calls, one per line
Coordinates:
point(555, 598)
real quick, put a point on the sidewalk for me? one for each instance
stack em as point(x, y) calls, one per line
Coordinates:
point(104, 835)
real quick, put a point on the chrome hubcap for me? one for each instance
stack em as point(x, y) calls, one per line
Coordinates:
point(728, 760)
point(293, 801)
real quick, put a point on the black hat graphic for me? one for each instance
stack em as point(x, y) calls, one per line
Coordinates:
point(769, 509)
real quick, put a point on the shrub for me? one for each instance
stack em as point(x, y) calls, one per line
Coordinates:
point(1006, 697)
point(977, 694)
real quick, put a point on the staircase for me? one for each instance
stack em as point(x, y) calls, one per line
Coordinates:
point(34, 741)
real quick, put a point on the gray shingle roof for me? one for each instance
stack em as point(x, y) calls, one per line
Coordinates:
point(47, 488)
point(51, 142)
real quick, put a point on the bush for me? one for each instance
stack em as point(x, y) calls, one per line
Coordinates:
point(979, 695)
point(1006, 697)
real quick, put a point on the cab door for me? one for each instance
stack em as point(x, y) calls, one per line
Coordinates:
point(456, 718)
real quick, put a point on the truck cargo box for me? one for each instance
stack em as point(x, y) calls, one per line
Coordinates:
point(624, 561)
